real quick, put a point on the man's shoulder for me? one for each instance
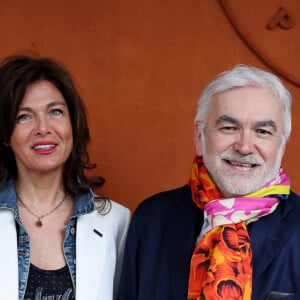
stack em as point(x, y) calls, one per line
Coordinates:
point(164, 211)
point(294, 196)
point(166, 198)
point(166, 204)
point(291, 209)
point(294, 200)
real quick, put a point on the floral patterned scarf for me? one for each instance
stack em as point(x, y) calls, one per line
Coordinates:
point(221, 265)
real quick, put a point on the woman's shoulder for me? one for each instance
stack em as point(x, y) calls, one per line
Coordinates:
point(108, 209)
point(119, 209)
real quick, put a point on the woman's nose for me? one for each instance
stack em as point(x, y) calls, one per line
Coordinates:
point(42, 126)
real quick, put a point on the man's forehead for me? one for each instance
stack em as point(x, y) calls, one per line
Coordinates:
point(246, 101)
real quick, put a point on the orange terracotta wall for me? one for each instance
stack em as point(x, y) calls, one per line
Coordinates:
point(140, 66)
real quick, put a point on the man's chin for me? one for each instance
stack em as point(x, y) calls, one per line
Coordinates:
point(236, 188)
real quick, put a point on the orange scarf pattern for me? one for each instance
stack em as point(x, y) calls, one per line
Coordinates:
point(221, 265)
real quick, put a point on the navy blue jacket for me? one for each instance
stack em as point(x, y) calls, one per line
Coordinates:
point(162, 237)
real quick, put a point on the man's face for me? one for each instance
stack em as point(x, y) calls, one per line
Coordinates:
point(241, 144)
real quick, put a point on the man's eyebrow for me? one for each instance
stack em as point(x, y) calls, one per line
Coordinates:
point(226, 119)
point(267, 123)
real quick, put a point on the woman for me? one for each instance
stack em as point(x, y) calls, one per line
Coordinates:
point(59, 239)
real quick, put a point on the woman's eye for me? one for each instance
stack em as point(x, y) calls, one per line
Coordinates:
point(21, 119)
point(56, 112)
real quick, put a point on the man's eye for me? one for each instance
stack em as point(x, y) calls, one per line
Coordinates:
point(264, 132)
point(228, 129)
point(23, 118)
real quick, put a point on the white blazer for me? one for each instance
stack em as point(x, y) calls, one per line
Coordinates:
point(98, 257)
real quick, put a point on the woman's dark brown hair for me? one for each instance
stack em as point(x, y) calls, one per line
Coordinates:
point(16, 74)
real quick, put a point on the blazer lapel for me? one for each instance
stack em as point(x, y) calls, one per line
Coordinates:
point(8, 256)
point(90, 257)
point(184, 229)
point(267, 238)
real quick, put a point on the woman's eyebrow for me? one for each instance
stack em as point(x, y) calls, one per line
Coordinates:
point(51, 104)
point(54, 103)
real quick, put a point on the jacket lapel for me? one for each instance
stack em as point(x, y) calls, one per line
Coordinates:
point(8, 256)
point(90, 257)
point(267, 238)
point(183, 232)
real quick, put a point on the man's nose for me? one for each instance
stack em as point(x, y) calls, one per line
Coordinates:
point(244, 143)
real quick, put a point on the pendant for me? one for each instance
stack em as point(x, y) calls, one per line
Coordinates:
point(39, 223)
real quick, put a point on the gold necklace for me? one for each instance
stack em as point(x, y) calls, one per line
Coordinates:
point(39, 223)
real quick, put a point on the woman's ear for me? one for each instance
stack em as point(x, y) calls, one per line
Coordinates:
point(197, 140)
point(5, 144)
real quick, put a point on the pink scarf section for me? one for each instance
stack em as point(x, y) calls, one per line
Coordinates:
point(236, 210)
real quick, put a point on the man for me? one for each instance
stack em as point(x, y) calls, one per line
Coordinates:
point(233, 232)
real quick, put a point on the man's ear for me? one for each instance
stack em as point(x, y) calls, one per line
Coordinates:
point(197, 140)
point(283, 150)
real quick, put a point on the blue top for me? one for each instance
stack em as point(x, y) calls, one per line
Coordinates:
point(83, 204)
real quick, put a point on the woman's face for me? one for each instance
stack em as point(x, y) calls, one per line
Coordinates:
point(42, 139)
